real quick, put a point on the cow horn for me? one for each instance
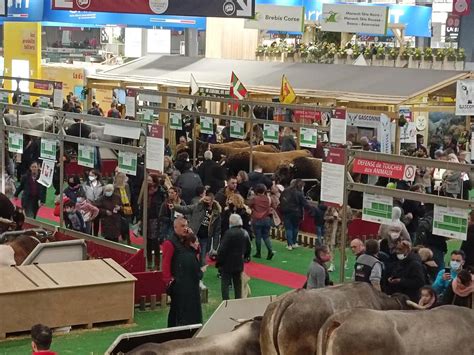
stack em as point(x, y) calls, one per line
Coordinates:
point(240, 320)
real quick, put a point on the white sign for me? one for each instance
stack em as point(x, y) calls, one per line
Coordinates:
point(155, 148)
point(363, 120)
point(384, 134)
point(122, 131)
point(133, 42)
point(43, 102)
point(48, 149)
point(408, 133)
point(332, 183)
point(175, 121)
point(277, 18)
point(337, 133)
point(15, 142)
point(130, 106)
point(127, 163)
point(354, 18)
point(308, 137)
point(148, 115)
point(270, 133)
point(237, 129)
point(465, 97)
point(377, 208)
point(207, 125)
point(4, 97)
point(47, 172)
point(58, 96)
point(150, 98)
point(450, 222)
point(86, 155)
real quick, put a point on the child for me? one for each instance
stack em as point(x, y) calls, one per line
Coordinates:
point(73, 218)
point(427, 300)
point(88, 211)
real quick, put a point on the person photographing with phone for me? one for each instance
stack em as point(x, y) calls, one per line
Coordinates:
point(448, 274)
point(182, 273)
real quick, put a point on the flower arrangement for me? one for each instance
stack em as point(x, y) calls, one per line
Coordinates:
point(451, 54)
point(380, 53)
point(417, 54)
point(460, 54)
point(260, 51)
point(393, 53)
point(367, 53)
point(428, 54)
point(342, 53)
point(407, 53)
point(355, 51)
point(440, 54)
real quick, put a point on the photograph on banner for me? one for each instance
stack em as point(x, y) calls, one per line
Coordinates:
point(237, 129)
point(15, 142)
point(86, 155)
point(47, 172)
point(176, 122)
point(443, 126)
point(450, 222)
point(155, 147)
point(308, 137)
point(465, 97)
point(48, 149)
point(332, 177)
point(408, 133)
point(377, 208)
point(362, 125)
point(207, 125)
point(127, 163)
point(271, 133)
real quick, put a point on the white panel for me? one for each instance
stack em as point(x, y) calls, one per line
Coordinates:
point(133, 42)
point(159, 41)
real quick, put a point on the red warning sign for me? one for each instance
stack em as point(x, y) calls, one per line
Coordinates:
point(385, 169)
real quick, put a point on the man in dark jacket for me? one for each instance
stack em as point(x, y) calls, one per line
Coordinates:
point(368, 268)
point(407, 276)
point(209, 173)
point(425, 237)
point(224, 193)
point(230, 256)
point(258, 177)
point(188, 182)
point(414, 210)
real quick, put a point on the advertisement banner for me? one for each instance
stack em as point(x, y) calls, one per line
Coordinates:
point(48, 149)
point(47, 172)
point(363, 120)
point(384, 169)
point(308, 137)
point(208, 8)
point(130, 103)
point(127, 163)
point(86, 155)
point(308, 116)
point(450, 222)
point(408, 133)
point(207, 125)
point(15, 142)
point(332, 177)
point(58, 95)
point(465, 98)
point(277, 18)
point(354, 18)
point(237, 129)
point(271, 133)
point(377, 208)
point(175, 121)
point(384, 134)
point(155, 147)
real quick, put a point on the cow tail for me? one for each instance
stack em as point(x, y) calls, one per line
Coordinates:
point(326, 334)
point(277, 316)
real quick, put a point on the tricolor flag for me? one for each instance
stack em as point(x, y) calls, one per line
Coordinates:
point(237, 90)
point(287, 94)
point(194, 87)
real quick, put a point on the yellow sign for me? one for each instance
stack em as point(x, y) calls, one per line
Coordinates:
point(70, 76)
point(28, 41)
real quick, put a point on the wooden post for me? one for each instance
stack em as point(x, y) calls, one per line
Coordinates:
point(153, 302)
point(142, 303)
point(164, 300)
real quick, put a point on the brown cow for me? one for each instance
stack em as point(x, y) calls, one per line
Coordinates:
point(440, 331)
point(290, 324)
point(243, 340)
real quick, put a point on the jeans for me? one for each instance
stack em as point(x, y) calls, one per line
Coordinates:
point(203, 250)
point(291, 224)
point(261, 228)
point(226, 279)
point(320, 234)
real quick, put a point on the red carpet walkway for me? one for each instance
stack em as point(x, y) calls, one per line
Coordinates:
point(254, 270)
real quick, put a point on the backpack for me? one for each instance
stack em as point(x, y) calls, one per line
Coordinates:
point(424, 230)
point(287, 200)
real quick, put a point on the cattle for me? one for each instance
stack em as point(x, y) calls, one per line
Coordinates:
point(269, 162)
point(35, 121)
point(243, 340)
point(439, 331)
point(290, 324)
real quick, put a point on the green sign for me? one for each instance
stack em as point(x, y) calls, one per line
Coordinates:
point(271, 133)
point(308, 137)
point(43, 102)
point(48, 149)
point(25, 100)
point(450, 222)
point(127, 163)
point(86, 155)
point(377, 208)
point(148, 115)
point(175, 121)
point(237, 129)
point(207, 125)
point(3, 97)
point(15, 142)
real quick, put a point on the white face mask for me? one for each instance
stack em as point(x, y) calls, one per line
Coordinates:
point(401, 256)
point(92, 178)
point(108, 193)
point(80, 199)
point(455, 265)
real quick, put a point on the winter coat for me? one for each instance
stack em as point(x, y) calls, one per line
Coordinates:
point(188, 182)
point(110, 224)
point(467, 246)
point(244, 213)
point(25, 187)
point(288, 143)
point(293, 202)
point(197, 213)
point(72, 193)
point(411, 274)
point(256, 178)
point(230, 255)
point(93, 193)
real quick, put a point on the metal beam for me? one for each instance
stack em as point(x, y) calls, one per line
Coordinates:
point(31, 132)
point(102, 144)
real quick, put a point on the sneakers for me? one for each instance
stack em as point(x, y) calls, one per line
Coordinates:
point(331, 267)
point(270, 255)
point(295, 246)
point(289, 247)
point(201, 285)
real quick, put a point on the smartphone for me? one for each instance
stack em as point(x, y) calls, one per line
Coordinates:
point(447, 270)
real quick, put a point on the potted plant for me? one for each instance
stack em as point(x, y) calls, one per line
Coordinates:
point(380, 53)
point(416, 57)
point(460, 58)
point(427, 58)
point(440, 54)
point(260, 52)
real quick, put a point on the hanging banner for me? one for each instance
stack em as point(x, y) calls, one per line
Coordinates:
point(362, 120)
point(4, 97)
point(150, 98)
point(384, 134)
point(58, 95)
point(384, 169)
point(406, 112)
point(338, 127)
point(15, 142)
point(148, 115)
point(155, 147)
point(408, 133)
point(465, 98)
point(208, 8)
point(277, 18)
point(86, 155)
point(207, 125)
point(377, 208)
point(25, 100)
point(47, 173)
point(175, 121)
point(43, 102)
point(450, 222)
point(237, 129)
point(130, 103)
point(332, 177)
point(308, 137)
point(271, 133)
point(48, 149)
point(127, 163)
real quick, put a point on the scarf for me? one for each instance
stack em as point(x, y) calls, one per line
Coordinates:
point(124, 196)
point(461, 290)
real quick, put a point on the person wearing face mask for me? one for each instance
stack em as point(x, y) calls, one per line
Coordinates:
point(94, 190)
point(73, 218)
point(167, 215)
point(447, 275)
point(460, 291)
point(109, 206)
point(407, 274)
point(88, 211)
point(393, 232)
point(74, 188)
point(318, 275)
point(33, 193)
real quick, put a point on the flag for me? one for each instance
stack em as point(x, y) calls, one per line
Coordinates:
point(287, 94)
point(194, 88)
point(237, 90)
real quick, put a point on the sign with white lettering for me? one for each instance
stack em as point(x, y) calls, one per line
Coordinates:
point(384, 169)
point(332, 177)
point(277, 18)
point(465, 97)
point(354, 18)
point(363, 120)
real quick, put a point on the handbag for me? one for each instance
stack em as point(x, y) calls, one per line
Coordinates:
point(127, 210)
point(276, 220)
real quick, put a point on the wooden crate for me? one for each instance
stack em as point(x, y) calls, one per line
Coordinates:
point(65, 294)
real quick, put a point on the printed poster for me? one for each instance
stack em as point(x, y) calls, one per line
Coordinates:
point(86, 155)
point(377, 208)
point(309, 137)
point(465, 98)
point(127, 163)
point(450, 222)
point(48, 149)
point(237, 129)
point(15, 142)
point(47, 172)
point(271, 133)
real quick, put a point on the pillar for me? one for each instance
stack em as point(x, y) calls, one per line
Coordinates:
point(191, 42)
